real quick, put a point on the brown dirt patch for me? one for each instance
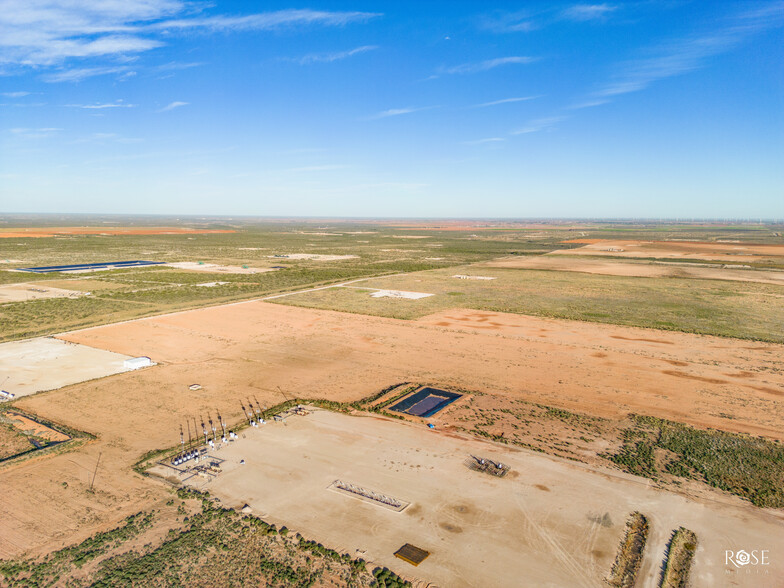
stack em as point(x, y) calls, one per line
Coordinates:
point(678, 374)
point(662, 341)
point(34, 291)
point(35, 428)
point(740, 375)
point(82, 285)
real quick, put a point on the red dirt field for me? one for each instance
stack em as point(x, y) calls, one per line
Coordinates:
point(64, 231)
point(248, 350)
point(639, 268)
point(735, 252)
point(598, 369)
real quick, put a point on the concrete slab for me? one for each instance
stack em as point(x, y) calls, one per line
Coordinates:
point(46, 363)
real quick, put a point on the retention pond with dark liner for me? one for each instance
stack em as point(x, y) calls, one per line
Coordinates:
point(87, 267)
point(425, 402)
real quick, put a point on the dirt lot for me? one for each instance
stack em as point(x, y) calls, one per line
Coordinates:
point(607, 371)
point(248, 350)
point(44, 363)
point(639, 269)
point(218, 269)
point(548, 522)
point(734, 252)
point(84, 285)
point(28, 291)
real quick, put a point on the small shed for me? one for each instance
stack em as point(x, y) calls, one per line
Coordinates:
point(136, 363)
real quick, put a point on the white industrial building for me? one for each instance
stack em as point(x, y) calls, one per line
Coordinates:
point(135, 363)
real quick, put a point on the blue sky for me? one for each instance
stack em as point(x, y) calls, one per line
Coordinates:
point(447, 109)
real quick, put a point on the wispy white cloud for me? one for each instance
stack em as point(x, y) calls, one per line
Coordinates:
point(525, 21)
point(99, 106)
point(174, 65)
point(484, 141)
point(15, 94)
point(398, 112)
point(35, 133)
point(588, 11)
point(540, 124)
point(336, 56)
point(479, 66)
point(510, 22)
point(505, 101)
point(82, 73)
point(590, 103)
point(24, 104)
point(173, 105)
point(267, 20)
point(687, 54)
point(45, 33)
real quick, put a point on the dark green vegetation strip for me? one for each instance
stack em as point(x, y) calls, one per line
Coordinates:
point(746, 466)
point(680, 553)
point(629, 557)
point(386, 578)
point(214, 546)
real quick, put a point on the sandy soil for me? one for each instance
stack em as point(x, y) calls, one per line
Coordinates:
point(57, 231)
point(44, 363)
point(28, 291)
point(735, 252)
point(83, 285)
point(398, 294)
point(248, 350)
point(541, 525)
point(218, 269)
point(638, 269)
point(313, 256)
point(35, 428)
point(599, 369)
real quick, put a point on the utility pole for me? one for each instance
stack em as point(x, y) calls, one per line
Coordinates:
point(95, 471)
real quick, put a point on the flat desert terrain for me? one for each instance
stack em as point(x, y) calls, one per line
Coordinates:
point(601, 370)
point(261, 350)
point(24, 292)
point(732, 252)
point(547, 523)
point(558, 261)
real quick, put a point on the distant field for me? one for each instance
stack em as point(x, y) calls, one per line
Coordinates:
point(732, 309)
point(131, 293)
point(377, 248)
